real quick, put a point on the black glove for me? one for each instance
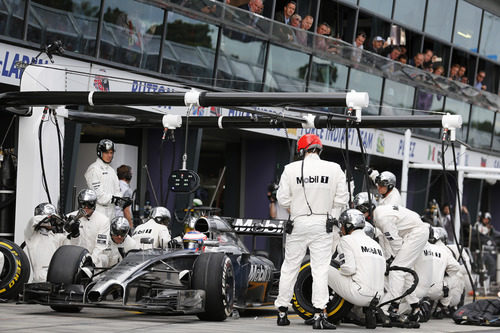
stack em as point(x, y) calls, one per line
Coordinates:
point(121, 202)
point(72, 227)
point(173, 243)
point(446, 291)
point(388, 263)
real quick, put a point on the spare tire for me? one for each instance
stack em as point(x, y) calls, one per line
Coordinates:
point(336, 308)
point(66, 267)
point(213, 272)
point(15, 270)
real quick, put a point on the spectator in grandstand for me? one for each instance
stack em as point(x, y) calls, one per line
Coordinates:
point(394, 53)
point(461, 73)
point(439, 70)
point(454, 72)
point(254, 6)
point(357, 52)
point(320, 42)
point(377, 45)
point(417, 61)
point(304, 38)
point(403, 59)
point(479, 81)
point(428, 54)
point(286, 15)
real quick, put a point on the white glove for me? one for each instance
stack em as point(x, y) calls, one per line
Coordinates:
point(373, 175)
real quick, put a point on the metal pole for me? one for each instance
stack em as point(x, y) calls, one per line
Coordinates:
point(404, 171)
point(460, 189)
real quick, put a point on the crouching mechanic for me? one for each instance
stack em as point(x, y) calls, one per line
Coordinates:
point(449, 282)
point(315, 192)
point(154, 233)
point(117, 245)
point(407, 236)
point(43, 237)
point(360, 278)
point(386, 186)
point(87, 227)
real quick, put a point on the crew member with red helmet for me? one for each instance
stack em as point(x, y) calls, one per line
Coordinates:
point(315, 192)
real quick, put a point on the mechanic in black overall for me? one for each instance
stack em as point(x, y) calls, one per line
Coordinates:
point(315, 192)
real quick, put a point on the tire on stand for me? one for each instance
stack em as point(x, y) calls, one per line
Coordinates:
point(336, 308)
point(66, 267)
point(15, 269)
point(213, 272)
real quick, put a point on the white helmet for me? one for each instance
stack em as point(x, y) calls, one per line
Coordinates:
point(362, 202)
point(161, 215)
point(387, 179)
point(352, 219)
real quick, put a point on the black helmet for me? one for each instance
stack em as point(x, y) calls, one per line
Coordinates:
point(45, 208)
point(387, 179)
point(362, 202)
point(161, 215)
point(87, 199)
point(119, 226)
point(103, 146)
point(352, 219)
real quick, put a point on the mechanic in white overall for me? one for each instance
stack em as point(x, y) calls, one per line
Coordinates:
point(42, 240)
point(102, 178)
point(407, 236)
point(386, 186)
point(360, 278)
point(315, 192)
point(118, 244)
point(154, 233)
point(451, 285)
point(87, 227)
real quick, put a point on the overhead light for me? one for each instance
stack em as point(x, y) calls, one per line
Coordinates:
point(464, 35)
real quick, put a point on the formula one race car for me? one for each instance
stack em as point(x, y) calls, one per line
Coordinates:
point(207, 279)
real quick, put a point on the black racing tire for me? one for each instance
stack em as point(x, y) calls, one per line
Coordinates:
point(336, 308)
point(16, 270)
point(65, 267)
point(213, 272)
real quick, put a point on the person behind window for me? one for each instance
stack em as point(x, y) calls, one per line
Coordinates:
point(479, 81)
point(286, 15)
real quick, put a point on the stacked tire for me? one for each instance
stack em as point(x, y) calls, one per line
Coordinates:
point(14, 269)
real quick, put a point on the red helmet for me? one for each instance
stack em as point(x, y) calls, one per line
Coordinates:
point(309, 141)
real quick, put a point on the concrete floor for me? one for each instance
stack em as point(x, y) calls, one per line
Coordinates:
point(37, 318)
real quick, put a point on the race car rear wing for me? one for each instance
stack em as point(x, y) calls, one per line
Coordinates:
point(257, 226)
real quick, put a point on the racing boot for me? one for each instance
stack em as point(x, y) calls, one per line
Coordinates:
point(426, 308)
point(321, 323)
point(283, 316)
point(400, 320)
point(371, 314)
point(382, 319)
point(415, 314)
point(439, 312)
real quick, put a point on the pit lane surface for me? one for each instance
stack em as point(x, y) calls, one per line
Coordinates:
point(38, 318)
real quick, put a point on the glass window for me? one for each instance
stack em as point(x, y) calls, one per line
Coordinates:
point(12, 18)
point(50, 21)
point(240, 62)
point(187, 44)
point(361, 81)
point(439, 18)
point(467, 24)
point(489, 45)
point(381, 7)
point(454, 106)
point(427, 103)
point(340, 18)
point(286, 70)
point(327, 76)
point(496, 138)
point(481, 127)
point(398, 99)
point(130, 32)
point(410, 12)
